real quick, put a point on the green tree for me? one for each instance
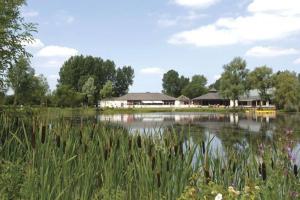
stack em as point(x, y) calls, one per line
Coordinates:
point(287, 89)
point(14, 33)
point(66, 96)
point(215, 85)
point(124, 78)
point(89, 89)
point(19, 78)
point(107, 91)
point(261, 78)
point(173, 84)
point(233, 80)
point(196, 87)
point(77, 69)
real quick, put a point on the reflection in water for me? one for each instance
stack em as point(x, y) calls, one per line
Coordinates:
point(228, 130)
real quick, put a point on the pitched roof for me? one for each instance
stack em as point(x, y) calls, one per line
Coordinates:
point(183, 98)
point(148, 96)
point(210, 96)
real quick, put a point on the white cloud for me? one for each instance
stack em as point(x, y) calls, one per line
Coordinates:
point(260, 25)
point(53, 77)
point(167, 22)
point(152, 71)
point(216, 77)
point(31, 14)
point(260, 51)
point(69, 19)
point(284, 7)
point(196, 3)
point(36, 44)
point(297, 61)
point(57, 51)
point(184, 20)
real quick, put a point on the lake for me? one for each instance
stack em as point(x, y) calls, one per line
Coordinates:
point(226, 130)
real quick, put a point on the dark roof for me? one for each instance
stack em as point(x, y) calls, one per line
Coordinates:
point(183, 98)
point(146, 97)
point(212, 90)
point(210, 96)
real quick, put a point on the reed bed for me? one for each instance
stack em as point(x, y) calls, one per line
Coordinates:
point(60, 159)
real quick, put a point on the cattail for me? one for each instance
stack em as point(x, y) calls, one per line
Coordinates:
point(207, 176)
point(85, 148)
point(175, 149)
point(264, 171)
point(158, 179)
point(222, 171)
point(80, 137)
point(153, 162)
point(272, 163)
point(58, 141)
point(105, 153)
point(43, 134)
point(181, 150)
point(295, 170)
point(129, 144)
point(234, 167)
point(110, 142)
point(203, 147)
point(131, 157)
point(139, 141)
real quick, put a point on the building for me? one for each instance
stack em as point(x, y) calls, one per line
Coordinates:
point(212, 98)
point(252, 99)
point(183, 100)
point(139, 100)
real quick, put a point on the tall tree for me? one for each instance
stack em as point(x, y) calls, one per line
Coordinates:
point(20, 77)
point(287, 88)
point(124, 78)
point(107, 90)
point(77, 69)
point(173, 84)
point(233, 79)
point(66, 96)
point(196, 87)
point(261, 78)
point(14, 34)
point(89, 89)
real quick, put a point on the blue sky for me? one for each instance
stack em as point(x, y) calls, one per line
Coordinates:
point(190, 36)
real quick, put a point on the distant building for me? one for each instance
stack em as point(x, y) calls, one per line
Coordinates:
point(136, 100)
point(159, 100)
point(212, 98)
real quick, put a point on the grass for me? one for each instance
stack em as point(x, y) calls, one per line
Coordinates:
point(46, 158)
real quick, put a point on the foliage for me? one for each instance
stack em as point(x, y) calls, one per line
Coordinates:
point(233, 79)
point(66, 96)
point(14, 33)
point(107, 90)
point(124, 78)
point(287, 89)
point(89, 89)
point(261, 78)
point(173, 84)
point(28, 88)
point(78, 69)
point(196, 87)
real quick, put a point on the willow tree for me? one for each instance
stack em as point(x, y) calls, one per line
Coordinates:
point(233, 82)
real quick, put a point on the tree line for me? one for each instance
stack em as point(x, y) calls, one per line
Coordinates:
point(282, 87)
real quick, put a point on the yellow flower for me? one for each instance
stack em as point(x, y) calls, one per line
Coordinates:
point(233, 191)
point(247, 189)
point(257, 187)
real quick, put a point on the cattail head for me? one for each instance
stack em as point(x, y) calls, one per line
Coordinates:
point(106, 153)
point(58, 141)
point(43, 134)
point(168, 166)
point(139, 141)
point(175, 149)
point(207, 176)
point(295, 170)
point(129, 144)
point(118, 144)
point(203, 147)
point(158, 179)
point(153, 163)
point(264, 171)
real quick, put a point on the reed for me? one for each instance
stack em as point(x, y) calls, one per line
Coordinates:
point(102, 161)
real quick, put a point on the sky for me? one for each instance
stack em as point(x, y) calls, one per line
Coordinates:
point(189, 36)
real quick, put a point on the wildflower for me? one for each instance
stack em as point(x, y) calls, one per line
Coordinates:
point(257, 187)
point(219, 196)
point(233, 191)
point(247, 189)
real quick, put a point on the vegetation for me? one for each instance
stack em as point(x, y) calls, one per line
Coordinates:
point(44, 158)
point(173, 84)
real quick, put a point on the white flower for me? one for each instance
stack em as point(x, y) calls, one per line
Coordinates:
point(219, 197)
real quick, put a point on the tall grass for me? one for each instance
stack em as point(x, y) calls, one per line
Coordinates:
point(60, 159)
